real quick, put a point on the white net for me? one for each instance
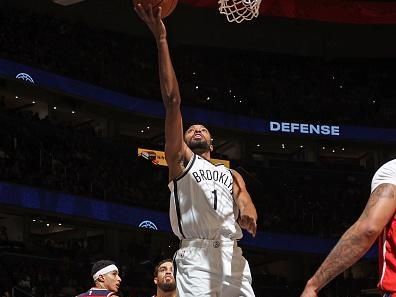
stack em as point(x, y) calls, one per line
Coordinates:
point(239, 10)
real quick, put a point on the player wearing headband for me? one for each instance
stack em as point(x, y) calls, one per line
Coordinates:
point(106, 278)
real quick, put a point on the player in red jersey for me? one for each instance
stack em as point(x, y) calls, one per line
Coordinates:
point(377, 220)
point(106, 278)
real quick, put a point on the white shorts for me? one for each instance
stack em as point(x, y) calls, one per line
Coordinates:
point(212, 268)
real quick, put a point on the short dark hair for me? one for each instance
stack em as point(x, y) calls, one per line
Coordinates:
point(100, 265)
point(159, 264)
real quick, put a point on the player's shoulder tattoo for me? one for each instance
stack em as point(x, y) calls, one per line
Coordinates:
point(383, 191)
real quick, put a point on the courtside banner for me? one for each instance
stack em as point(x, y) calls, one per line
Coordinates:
point(154, 108)
point(158, 157)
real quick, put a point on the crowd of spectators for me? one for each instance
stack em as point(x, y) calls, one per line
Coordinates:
point(348, 91)
point(38, 278)
point(65, 270)
point(292, 199)
point(300, 200)
point(37, 153)
point(318, 202)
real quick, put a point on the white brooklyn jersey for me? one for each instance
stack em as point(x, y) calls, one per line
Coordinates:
point(386, 174)
point(202, 205)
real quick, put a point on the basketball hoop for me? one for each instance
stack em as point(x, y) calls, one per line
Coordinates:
point(239, 10)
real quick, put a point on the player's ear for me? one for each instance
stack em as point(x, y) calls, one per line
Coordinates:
point(101, 278)
point(156, 280)
point(211, 147)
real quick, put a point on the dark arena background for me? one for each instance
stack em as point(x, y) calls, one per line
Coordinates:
point(301, 102)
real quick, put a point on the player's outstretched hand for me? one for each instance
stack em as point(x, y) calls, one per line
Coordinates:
point(248, 220)
point(154, 22)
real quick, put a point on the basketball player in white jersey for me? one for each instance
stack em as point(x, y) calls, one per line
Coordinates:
point(378, 220)
point(206, 199)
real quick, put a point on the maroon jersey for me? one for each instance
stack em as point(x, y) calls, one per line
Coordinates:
point(95, 292)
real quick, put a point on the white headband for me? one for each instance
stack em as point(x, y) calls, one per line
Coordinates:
point(104, 270)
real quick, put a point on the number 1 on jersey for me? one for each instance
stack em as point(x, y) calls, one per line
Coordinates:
point(215, 199)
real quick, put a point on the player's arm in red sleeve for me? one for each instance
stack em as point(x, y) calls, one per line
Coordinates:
point(248, 213)
point(357, 240)
point(176, 150)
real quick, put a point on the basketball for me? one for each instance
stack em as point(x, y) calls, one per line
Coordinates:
point(167, 5)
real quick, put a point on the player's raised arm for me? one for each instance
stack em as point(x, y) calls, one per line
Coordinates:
point(248, 213)
point(357, 240)
point(176, 151)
